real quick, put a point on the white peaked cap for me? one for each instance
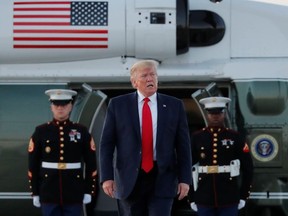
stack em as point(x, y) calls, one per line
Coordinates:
point(60, 94)
point(214, 102)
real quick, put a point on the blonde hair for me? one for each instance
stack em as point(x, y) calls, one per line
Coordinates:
point(142, 64)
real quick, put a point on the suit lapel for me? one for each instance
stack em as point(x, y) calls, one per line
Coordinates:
point(134, 114)
point(161, 106)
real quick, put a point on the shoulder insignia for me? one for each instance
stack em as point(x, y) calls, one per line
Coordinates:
point(30, 174)
point(246, 148)
point(31, 146)
point(94, 173)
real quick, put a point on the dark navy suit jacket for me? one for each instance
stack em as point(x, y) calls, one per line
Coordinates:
point(122, 133)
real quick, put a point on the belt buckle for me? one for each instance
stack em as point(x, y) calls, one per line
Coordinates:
point(62, 166)
point(212, 169)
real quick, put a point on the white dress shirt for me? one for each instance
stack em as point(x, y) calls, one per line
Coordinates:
point(153, 107)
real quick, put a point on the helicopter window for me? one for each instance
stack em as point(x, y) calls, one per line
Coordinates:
point(206, 28)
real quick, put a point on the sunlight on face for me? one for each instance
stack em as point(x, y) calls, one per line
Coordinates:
point(145, 80)
point(61, 113)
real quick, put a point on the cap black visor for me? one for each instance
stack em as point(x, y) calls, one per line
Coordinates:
point(215, 110)
point(60, 102)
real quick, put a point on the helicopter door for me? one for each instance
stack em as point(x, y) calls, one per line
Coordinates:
point(87, 107)
point(209, 91)
point(89, 110)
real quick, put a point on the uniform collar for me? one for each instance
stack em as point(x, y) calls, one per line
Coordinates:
point(61, 123)
point(215, 129)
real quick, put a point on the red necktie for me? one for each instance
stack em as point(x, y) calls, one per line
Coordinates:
point(147, 137)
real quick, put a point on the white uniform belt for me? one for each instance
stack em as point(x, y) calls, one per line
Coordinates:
point(214, 169)
point(51, 165)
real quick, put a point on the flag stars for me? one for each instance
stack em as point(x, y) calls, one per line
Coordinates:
point(89, 13)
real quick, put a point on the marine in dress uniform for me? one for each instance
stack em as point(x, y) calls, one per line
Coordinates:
point(58, 152)
point(219, 154)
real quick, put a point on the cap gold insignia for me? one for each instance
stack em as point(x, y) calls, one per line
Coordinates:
point(47, 149)
point(31, 146)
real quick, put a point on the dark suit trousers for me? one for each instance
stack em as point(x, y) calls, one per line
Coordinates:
point(142, 201)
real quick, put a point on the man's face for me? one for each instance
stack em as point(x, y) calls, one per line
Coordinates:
point(61, 112)
point(146, 81)
point(216, 119)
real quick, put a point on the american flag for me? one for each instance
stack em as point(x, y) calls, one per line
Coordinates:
point(60, 24)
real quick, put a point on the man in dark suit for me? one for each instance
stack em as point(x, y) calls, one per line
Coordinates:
point(123, 173)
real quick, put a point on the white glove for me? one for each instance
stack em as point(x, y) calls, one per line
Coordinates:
point(241, 204)
point(36, 201)
point(87, 198)
point(193, 206)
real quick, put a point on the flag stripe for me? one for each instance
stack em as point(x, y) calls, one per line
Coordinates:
point(44, 31)
point(41, 16)
point(51, 24)
point(41, 24)
point(62, 46)
point(45, 3)
point(41, 9)
point(57, 39)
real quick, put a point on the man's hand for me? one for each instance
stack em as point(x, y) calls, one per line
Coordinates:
point(36, 201)
point(87, 198)
point(109, 188)
point(194, 206)
point(241, 204)
point(183, 190)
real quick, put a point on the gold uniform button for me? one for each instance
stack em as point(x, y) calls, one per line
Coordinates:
point(61, 139)
point(61, 128)
point(61, 158)
point(214, 144)
point(214, 156)
point(46, 175)
point(47, 149)
point(214, 161)
point(215, 134)
point(215, 139)
point(61, 151)
point(61, 133)
point(61, 145)
point(215, 150)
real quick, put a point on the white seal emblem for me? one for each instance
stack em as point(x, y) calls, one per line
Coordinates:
point(264, 148)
